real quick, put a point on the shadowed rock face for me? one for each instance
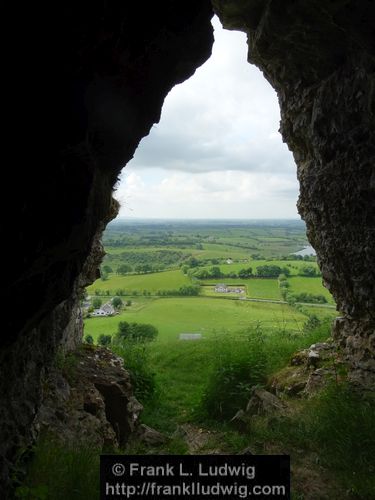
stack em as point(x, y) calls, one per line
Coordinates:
point(320, 58)
point(89, 80)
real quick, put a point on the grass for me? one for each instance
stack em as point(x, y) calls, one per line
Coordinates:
point(154, 281)
point(59, 471)
point(173, 316)
point(300, 284)
point(183, 369)
point(337, 426)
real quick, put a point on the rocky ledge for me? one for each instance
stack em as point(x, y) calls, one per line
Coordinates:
point(88, 399)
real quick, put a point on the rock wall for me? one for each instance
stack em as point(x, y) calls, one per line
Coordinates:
point(88, 81)
point(320, 58)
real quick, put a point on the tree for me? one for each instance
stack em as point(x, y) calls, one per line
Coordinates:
point(144, 332)
point(123, 329)
point(201, 274)
point(215, 272)
point(124, 269)
point(107, 269)
point(184, 269)
point(192, 262)
point(245, 273)
point(189, 290)
point(96, 302)
point(103, 275)
point(270, 271)
point(104, 340)
point(308, 270)
point(117, 302)
point(136, 331)
point(128, 303)
point(143, 268)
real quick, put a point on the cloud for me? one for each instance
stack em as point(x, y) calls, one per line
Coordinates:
point(229, 194)
point(217, 148)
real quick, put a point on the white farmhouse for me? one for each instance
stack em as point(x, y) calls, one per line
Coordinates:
point(105, 310)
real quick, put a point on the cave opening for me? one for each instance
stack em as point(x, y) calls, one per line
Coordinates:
point(216, 154)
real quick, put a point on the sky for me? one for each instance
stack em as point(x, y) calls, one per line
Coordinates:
point(216, 152)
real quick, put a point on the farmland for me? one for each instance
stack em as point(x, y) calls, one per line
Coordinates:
point(150, 282)
point(153, 263)
point(155, 268)
point(173, 316)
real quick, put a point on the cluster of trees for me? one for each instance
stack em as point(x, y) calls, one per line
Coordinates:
point(307, 297)
point(120, 292)
point(142, 261)
point(307, 258)
point(214, 272)
point(139, 332)
point(184, 290)
point(271, 271)
point(309, 271)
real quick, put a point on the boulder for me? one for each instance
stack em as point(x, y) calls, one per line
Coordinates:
point(263, 402)
point(89, 400)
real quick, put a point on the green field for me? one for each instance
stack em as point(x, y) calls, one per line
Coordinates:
point(299, 284)
point(165, 280)
point(173, 316)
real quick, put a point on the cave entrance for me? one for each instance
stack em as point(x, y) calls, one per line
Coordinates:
point(216, 155)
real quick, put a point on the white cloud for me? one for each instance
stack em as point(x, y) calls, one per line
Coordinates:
point(216, 151)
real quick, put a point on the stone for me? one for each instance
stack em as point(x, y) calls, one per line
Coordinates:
point(317, 380)
point(299, 358)
point(313, 358)
point(151, 437)
point(90, 402)
point(263, 402)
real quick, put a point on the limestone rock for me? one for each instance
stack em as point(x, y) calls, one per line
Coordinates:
point(151, 436)
point(90, 401)
point(263, 402)
point(317, 380)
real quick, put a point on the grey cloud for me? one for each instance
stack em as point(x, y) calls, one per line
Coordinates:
point(191, 154)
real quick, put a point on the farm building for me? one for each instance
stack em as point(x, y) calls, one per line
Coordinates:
point(105, 310)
